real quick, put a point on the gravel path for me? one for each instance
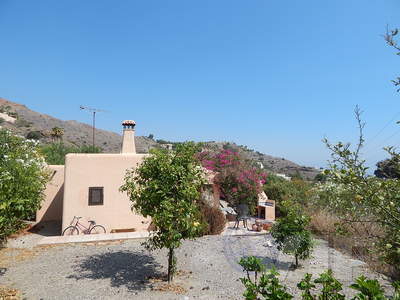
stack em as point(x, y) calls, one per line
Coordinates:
point(125, 270)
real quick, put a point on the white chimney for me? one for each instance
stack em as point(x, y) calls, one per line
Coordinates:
point(128, 137)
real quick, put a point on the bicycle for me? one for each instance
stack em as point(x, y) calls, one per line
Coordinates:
point(74, 229)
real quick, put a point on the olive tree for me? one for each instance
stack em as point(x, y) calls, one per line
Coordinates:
point(23, 178)
point(166, 187)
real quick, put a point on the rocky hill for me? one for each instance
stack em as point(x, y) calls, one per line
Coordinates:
point(23, 121)
point(75, 133)
point(270, 163)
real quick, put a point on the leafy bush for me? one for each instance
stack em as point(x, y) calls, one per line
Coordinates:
point(214, 218)
point(368, 289)
point(22, 123)
point(34, 135)
point(2, 120)
point(282, 190)
point(55, 153)
point(14, 115)
point(87, 149)
point(165, 187)
point(265, 284)
point(325, 287)
point(5, 108)
point(22, 181)
point(292, 236)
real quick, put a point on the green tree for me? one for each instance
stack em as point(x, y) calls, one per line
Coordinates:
point(282, 190)
point(388, 168)
point(54, 153)
point(292, 236)
point(57, 133)
point(166, 187)
point(22, 181)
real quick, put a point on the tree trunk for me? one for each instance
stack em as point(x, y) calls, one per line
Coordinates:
point(297, 261)
point(171, 265)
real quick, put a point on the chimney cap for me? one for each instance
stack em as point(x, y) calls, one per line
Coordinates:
point(128, 123)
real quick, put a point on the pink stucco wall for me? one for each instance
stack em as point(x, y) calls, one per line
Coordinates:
point(52, 206)
point(100, 170)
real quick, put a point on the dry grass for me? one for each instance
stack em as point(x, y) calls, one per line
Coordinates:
point(9, 294)
point(9, 256)
point(159, 282)
point(357, 242)
point(170, 287)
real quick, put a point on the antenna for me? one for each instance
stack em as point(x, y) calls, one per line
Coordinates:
point(93, 111)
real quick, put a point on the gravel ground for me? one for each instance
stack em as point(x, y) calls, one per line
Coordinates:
point(125, 270)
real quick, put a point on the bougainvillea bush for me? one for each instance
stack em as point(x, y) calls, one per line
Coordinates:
point(240, 182)
point(23, 178)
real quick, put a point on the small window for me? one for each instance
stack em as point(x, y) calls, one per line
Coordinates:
point(96, 195)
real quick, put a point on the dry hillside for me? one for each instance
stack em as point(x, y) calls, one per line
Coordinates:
point(76, 133)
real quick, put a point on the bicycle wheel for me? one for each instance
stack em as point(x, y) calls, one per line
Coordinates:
point(96, 229)
point(71, 230)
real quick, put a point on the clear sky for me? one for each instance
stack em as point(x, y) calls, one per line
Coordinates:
point(276, 76)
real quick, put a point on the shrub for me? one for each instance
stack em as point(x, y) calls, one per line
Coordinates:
point(34, 135)
point(239, 181)
point(265, 284)
point(13, 114)
point(22, 123)
point(88, 149)
point(54, 153)
point(214, 218)
point(22, 181)
point(368, 289)
point(291, 235)
point(2, 120)
point(282, 190)
point(325, 287)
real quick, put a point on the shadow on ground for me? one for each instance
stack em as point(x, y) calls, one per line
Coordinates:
point(47, 228)
point(124, 268)
point(276, 263)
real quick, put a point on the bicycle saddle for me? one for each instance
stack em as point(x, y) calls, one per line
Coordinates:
point(92, 222)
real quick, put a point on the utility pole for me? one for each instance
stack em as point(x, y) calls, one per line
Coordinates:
point(93, 111)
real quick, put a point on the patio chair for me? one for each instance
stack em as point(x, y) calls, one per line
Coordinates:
point(242, 211)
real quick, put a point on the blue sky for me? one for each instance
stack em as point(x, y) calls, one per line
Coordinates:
point(276, 76)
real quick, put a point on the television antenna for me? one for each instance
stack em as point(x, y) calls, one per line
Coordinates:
point(93, 111)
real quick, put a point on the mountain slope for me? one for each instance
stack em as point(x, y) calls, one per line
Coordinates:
point(79, 134)
point(75, 133)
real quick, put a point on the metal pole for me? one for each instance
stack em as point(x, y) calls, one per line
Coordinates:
point(94, 124)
